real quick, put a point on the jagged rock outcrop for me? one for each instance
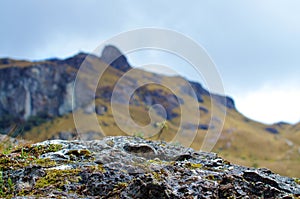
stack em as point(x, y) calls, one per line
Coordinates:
point(166, 99)
point(224, 100)
point(113, 56)
point(39, 89)
point(131, 167)
point(199, 91)
point(272, 130)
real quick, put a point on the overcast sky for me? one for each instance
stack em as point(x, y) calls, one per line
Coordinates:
point(255, 44)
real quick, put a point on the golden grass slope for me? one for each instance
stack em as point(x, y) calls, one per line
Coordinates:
point(242, 140)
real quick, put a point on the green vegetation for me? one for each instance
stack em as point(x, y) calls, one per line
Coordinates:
point(7, 187)
point(255, 165)
point(6, 145)
point(97, 168)
point(139, 134)
point(157, 176)
point(211, 177)
point(1, 184)
point(6, 148)
point(27, 155)
point(36, 150)
point(58, 178)
point(163, 126)
point(121, 185)
point(297, 180)
point(193, 165)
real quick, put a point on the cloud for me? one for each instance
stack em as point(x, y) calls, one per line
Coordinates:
point(35, 30)
point(250, 41)
point(271, 103)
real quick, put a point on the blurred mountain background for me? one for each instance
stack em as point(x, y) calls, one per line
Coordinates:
point(37, 97)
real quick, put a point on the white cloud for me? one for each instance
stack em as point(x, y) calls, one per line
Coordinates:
point(250, 41)
point(271, 103)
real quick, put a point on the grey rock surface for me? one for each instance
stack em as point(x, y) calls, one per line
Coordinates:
point(131, 167)
point(113, 56)
point(29, 91)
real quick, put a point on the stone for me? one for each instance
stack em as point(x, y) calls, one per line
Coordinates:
point(113, 56)
point(121, 167)
point(101, 109)
point(272, 130)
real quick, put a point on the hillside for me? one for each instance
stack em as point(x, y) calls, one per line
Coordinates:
point(37, 96)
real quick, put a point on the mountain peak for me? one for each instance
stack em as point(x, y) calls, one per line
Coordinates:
point(114, 57)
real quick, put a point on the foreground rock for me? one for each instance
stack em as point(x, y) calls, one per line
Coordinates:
point(131, 167)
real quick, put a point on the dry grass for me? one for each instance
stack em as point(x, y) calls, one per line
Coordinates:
point(242, 141)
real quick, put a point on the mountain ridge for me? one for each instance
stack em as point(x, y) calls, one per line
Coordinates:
point(37, 97)
point(9, 65)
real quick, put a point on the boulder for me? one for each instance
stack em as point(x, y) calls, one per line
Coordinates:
point(131, 167)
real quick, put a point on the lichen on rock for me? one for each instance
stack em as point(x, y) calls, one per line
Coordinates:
point(131, 167)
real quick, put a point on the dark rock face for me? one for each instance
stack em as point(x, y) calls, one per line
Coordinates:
point(168, 100)
point(203, 126)
point(282, 124)
point(47, 87)
point(5, 61)
point(230, 103)
point(203, 109)
point(113, 56)
point(28, 91)
point(101, 110)
point(272, 130)
point(224, 100)
point(130, 167)
point(75, 61)
point(200, 92)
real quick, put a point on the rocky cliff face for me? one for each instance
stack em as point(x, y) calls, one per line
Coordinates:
point(31, 90)
point(130, 167)
point(42, 89)
point(113, 56)
point(39, 89)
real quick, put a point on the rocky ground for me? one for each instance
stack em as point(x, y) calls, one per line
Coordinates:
point(131, 167)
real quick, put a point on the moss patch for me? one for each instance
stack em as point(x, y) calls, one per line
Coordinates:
point(37, 150)
point(58, 178)
point(193, 165)
point(297, 180)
